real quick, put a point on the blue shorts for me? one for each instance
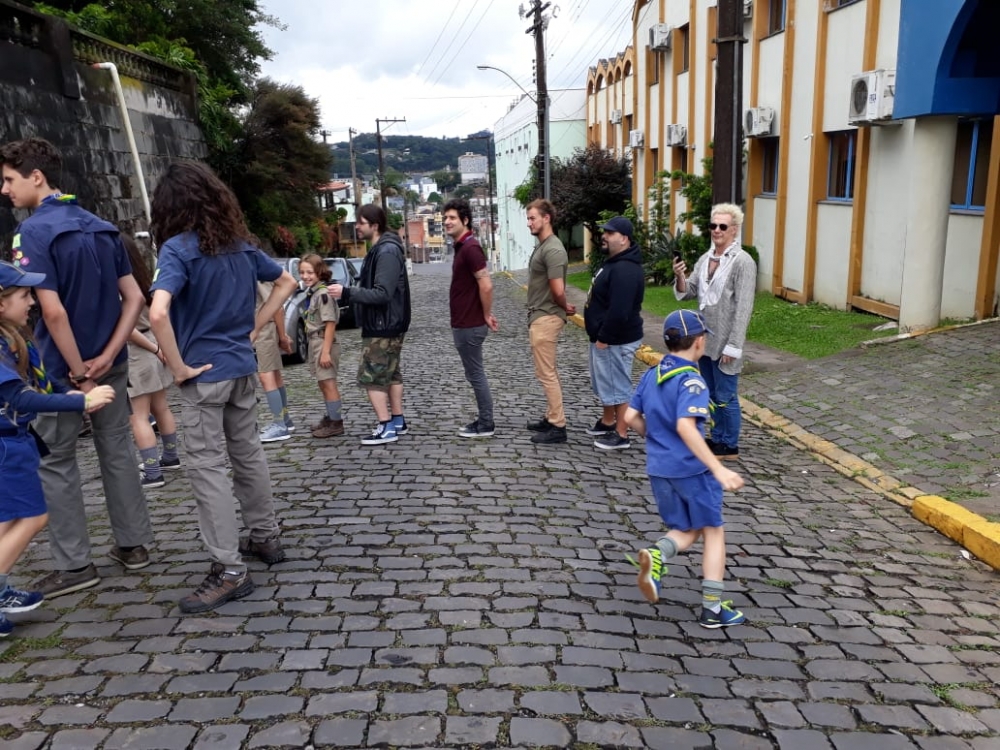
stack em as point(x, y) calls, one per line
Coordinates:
point(689, 503)
point(21, 490)
point(611, 372)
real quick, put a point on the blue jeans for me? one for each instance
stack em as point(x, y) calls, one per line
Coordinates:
point(722, 389)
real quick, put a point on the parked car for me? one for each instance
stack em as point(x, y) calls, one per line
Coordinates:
point(344, 274)
point(357, 263)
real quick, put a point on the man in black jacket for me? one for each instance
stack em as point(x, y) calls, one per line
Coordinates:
point(614, 325)
point(382, 302)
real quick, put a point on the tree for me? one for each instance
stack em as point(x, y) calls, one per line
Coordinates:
point(446, 180)
point(463, 191)
point(435, 198)
point(592, 180)
point(280, 161)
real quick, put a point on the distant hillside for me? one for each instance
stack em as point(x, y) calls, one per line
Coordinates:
point(406, 153)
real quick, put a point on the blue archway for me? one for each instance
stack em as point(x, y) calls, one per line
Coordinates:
point(947, 63)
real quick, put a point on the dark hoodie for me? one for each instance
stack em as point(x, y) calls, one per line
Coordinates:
point(613, 306)
point(383, 297)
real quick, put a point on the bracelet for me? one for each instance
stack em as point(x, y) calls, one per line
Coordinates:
point(77, 379)
point(86, 401)
point(157, 349)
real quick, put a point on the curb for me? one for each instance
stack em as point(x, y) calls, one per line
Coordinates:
point(972, 531)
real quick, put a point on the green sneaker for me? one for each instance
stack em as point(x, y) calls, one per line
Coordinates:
point(651, 569)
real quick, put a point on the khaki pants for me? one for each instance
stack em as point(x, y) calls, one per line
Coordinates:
point(544, 335)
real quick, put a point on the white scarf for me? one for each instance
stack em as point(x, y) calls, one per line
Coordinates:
point(710, 290)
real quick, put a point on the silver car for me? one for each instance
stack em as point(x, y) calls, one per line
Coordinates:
point(343, 274)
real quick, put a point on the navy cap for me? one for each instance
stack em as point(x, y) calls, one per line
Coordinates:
point(621, 225)
point(688, 322)
point(11, 275)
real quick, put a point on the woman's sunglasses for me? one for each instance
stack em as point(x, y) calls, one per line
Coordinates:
point(721, 227)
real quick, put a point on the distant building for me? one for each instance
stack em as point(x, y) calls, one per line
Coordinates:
point(472, 167)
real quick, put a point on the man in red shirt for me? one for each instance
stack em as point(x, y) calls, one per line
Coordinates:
point(471, 303)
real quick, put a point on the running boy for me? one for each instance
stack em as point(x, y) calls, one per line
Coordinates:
point(24, 390)
point(669, 407)
point(203, 318)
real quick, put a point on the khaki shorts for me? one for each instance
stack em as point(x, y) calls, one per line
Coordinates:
point(379, 366)
point(315, 348)
point(268, 352)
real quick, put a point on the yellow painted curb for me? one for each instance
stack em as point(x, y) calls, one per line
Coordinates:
point(972, 531)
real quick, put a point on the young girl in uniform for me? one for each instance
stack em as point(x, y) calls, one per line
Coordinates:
point(148, 380)
point(321, 315)
point(24, 390)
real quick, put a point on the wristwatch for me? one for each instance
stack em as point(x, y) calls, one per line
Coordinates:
point(77, 379)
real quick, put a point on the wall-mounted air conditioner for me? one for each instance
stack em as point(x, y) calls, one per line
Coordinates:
point(659, 37)
point(635, 139)
point(759, 122)
point(677, 135)
point(872, 95)
point(616, 116)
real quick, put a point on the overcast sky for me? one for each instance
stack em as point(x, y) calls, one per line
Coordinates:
point(417, 60)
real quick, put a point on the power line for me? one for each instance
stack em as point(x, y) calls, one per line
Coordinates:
point(467, 38)
point(583, 51)
point(452, 41)
point(434, 44)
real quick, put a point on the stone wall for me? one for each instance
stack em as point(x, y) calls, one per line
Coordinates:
point(49, 89)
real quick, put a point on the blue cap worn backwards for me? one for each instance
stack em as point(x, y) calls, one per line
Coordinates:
point(11, 275)
point(687, 322)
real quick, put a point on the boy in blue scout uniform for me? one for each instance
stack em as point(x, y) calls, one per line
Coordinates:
point(89, 302)
point(670, 407)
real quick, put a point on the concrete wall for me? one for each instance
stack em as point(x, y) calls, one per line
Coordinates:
point(50, 91)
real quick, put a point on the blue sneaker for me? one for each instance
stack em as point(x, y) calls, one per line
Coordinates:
point(725, 617)
point(383, 433)
point(6, 626)
point(400, 426)
point(651, 568)
point(12, 600)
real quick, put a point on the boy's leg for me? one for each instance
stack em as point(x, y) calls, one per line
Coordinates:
point(168, 429)
point(69, 541)
point(123, 494)
point(14, 539)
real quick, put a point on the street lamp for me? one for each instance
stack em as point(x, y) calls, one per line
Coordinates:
point(543, 104)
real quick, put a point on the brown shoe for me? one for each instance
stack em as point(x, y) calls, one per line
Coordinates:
point(60, 582)
point(332, 428)
point(269, 551)
point(218, 588)
point(133, 559)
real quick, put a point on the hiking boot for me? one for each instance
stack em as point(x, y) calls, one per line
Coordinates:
point(550, 436)
point(269, 550)
point(542, 425)
point(332, 428)
point(651, 570)
point(600, 428)
point(12, 600)
point(384, 433)
point(218, 588)
point(725, 617)
point(476, 430)
point(60, 582)
point(725, 452)
point(274, 433)
point(612, 441)
point(133, 559)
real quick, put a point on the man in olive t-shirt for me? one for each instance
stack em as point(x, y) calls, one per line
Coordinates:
point(547, 311)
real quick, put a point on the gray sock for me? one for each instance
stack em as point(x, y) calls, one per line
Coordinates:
point(333, 410)
point(151, 463)
point(169, 446)
point(711, 595)
point(667, 547)
point(284, 406)
point(274, 404)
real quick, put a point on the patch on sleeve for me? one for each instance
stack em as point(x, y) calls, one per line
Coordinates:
point(324, 299)
point(17, 241)
point(694, 385)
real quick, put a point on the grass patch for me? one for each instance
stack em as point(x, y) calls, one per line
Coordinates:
point(810, 331)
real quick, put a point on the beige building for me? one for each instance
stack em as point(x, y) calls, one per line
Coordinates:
point(872, 176)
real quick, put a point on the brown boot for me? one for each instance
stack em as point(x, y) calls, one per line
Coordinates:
point(331, 428)
point(217, 589)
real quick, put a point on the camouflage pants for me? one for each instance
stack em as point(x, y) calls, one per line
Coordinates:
point(379, 366)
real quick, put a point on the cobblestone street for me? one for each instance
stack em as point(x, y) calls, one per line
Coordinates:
point(442, 592)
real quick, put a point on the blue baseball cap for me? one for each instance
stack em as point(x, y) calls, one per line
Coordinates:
point(621, 225)
point(688, 322)
point(11, 275)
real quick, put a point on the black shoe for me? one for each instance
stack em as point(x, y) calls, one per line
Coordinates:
point(477, 430)
point(269, 551)
point(551, 435)
point(542, 425)
point(134, 558)
point(600, 428)
point(724, 451)
point(612, 441)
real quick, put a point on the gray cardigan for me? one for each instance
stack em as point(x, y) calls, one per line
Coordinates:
point(730, 316)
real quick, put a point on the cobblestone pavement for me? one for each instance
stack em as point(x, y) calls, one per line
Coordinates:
point(442, 592)
point(924, 410)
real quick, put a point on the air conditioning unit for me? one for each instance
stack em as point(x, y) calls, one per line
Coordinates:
point(747, 9)
point(635, 139)
point(659, 37)
point(677, 135)
point(616, 116)
point(759, 122)
point(872, 95)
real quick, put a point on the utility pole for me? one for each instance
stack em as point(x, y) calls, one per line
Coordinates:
point(356, 193)
point(538, 25)
point(381, 163)
point(727, 171)
point(325, 134)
